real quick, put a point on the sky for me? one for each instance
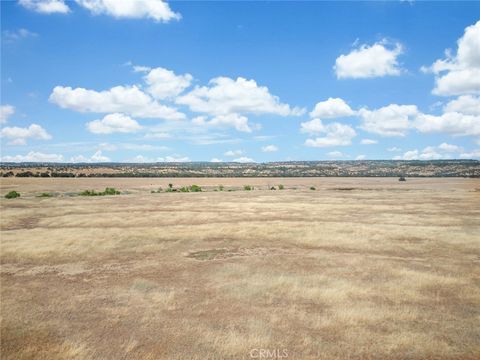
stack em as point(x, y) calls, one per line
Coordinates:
point(151, 81)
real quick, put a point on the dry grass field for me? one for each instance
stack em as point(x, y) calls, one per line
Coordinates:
point(356, 269)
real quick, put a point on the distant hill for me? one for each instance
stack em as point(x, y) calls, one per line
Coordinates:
point(368, 168)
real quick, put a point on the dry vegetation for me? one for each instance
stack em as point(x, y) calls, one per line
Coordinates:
point(357, 269)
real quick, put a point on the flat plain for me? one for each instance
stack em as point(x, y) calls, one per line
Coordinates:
point(358, 268)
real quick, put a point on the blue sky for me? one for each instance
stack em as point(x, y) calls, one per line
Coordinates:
point(146, 80)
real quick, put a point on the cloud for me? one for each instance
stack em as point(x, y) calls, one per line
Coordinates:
point(12, 36)
point(379, 59)
point(244, 159)
point(475, 154)
point(394, 149)
point(336, 134)
point(97, 157)
point(113, 123)
point(19, 136)
point(459, 74)
point(269, 148)
point(368, 142)
point(233, 153)
point(391, 120)
point(119, 99)
point(215, 160)
point(360, 157)
point(46, 6)
point(226, 96)
point(331, 108)
point(173, 158)
point(157, 10)
point(164, 84)
point(5, 112)
point(33, 156)
point(442, 151)
point(465, 104)
point(453, 123)
point(239, 122)
point(336, 154)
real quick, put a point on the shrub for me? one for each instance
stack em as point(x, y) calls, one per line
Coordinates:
point(273, 188)
point(111, 191)
point(195, 188)
point(12, 195)
point(312, 188)
point(44, 195)
point(281, 187)
point(184, 189)
point(221, 187)
point(107, 191)
point(247, 187)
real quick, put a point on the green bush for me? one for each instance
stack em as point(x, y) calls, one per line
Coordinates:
point(247, 187)
point(111, 191)
point(184, 189)
point(312, 188)
point(12, 195)
point(281, 187)
point(107, 191)
point(221, 188)
point(273, 188)
point(45, 195)
point(195, 188)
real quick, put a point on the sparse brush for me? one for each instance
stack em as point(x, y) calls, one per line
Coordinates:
point(107, 191)
point(248, 187)
point(12, 195)
point(45, 195)
point(273, 188)
point(221, 188)
point(281, 187)
point(195, 188)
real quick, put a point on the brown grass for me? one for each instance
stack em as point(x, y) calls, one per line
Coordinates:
point(385, 270)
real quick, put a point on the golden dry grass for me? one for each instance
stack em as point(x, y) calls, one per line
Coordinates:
point(358, 269)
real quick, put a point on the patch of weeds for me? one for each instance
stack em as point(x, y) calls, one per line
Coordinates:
point(273, 188)
point(281, 187)
point(312, 188)
point(12, 195)
point(195, 188)
point(248, 187)
point(221, 188)
point(107, 191)
point(45, 195)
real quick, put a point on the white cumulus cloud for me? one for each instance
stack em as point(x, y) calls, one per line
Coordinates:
point(5, 112)
point(331, 108)
point(113, 123)
point(368, 141)
point(119, 99)
point(269, 148)
point(19, 136)
point(391, 120)
point(157, 10)
point(379, 59)
point(453, 123)
point(335, 134)
point(244, 159)
point(465, 104)
point(459, 74)
point(164, 84)
point(225, 96)
point(45, 6)
point(33, 156)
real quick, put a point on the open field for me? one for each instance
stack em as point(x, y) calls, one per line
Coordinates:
point(359, 268)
